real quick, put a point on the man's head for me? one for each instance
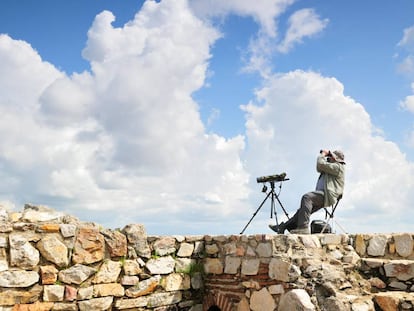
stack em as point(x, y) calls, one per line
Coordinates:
point(338, 156)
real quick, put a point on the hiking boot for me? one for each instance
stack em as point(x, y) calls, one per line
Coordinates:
point(300, 231)
point(280, 229)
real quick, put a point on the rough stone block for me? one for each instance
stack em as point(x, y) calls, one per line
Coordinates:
point(403, 244)
point(377, 245)
point(232, 265)
point(53, 293)
point(213, 266)
point(250, 266)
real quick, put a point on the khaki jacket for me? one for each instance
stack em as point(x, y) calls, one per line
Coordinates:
point(334, 178)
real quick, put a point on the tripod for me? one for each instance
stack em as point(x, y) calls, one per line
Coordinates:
point(273, 196)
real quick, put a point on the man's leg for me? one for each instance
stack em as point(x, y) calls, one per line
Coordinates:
point(310, 203)
point(290, 224)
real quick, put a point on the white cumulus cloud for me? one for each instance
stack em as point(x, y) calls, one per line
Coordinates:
point(125, 139)
point(302, 23)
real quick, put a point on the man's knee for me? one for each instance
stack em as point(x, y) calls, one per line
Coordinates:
point(306, 197)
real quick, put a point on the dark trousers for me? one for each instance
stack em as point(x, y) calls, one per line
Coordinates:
point(310, 203)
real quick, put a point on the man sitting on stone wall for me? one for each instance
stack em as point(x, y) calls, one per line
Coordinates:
point(329, 187)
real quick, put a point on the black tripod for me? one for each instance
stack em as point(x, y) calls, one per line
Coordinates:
point(272, 194)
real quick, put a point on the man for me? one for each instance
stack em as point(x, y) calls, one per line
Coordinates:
point(330, 186)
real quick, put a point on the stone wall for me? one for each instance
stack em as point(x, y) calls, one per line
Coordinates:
point(310, 272)
point(52, 261)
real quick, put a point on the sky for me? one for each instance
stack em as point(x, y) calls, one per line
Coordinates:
point(165, 112)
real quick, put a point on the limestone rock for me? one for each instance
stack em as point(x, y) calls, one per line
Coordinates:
point(116, 242)
point(96, 304)
point(22, 254)
point(37, 306)
point(277, 289)
point(163, 299)
point(137, 236)
point(331, 239)
point(310, 241)
point(108, 272)
point(184, 265)
point(53, 250)
point(389, 301)
point(230, 248)
point(131, 304)
point(377, 283)
point(164, 246)
point(131, 267)
point(162, 265)
point(85, 293)
point(363, 305)
point(144, 287)
point(296, 299)
point(70, 293)
point(232, 265)
point(68, 230)
point(213, 266)
point(212, 249)
point(333, 303)
point(129, 280)
point(250, 266)
point(76, 274)
point(48, 274)
point(35, 214)
point(377, 245)
point(243, 305)
point(176, 281)
point(401, 269)
point(262, 301)
point(264, 250)
point(89, 246)
point(197, 281)
point(18, 278)
point(403, 244)
point(53, 292)
point(185, 250)
point(360, 246)
point(111, 289)
point(63, 306)
point(283, 271)
point(9, 297)
point(48, 228)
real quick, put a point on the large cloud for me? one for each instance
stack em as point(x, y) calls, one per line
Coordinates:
point(125, 139)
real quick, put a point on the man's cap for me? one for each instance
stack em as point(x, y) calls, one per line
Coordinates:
point(338, 155)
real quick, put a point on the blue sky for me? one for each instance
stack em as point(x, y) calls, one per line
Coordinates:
point(165, 112)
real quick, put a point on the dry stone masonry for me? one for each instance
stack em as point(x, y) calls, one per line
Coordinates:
point(53, 261)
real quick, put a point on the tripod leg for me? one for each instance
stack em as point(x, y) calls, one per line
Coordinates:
point(254, 214)
point(273, 210)
point(280, 203)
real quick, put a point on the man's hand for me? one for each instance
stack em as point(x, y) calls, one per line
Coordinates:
point(325, 152)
